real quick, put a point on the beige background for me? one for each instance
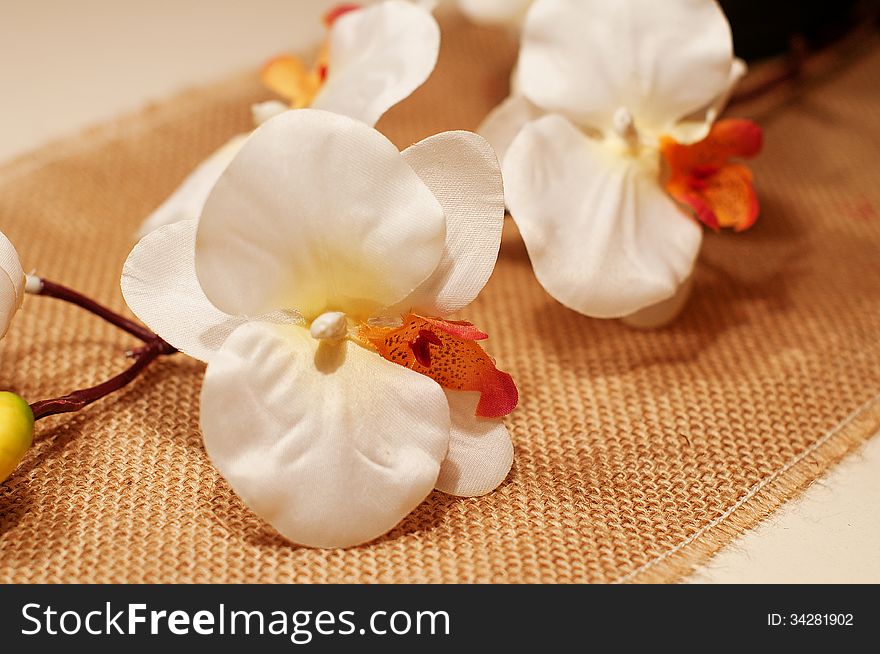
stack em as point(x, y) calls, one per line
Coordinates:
point(67, 65)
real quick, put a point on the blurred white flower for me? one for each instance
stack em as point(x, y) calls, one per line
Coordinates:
point(601, 86)
point(334, 399)
point(12, 283)
point(373, 58)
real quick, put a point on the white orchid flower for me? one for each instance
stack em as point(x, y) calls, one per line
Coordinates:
point(335, 398)
point(12, 283)
point(505, 13)
point(373, 57)
point(603, 86)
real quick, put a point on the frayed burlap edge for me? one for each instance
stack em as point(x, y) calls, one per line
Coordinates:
point(763, 499)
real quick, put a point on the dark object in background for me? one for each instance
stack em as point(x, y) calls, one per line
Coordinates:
point(763, 28)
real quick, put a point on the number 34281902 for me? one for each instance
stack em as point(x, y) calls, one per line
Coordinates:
point(810, 619)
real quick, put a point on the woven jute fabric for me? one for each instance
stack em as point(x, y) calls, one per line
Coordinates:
point(638, 453)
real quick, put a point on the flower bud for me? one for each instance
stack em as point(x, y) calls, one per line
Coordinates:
point(16, 432)
point(12, 281)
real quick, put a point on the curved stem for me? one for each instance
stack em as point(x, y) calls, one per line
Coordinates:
point(52, 289)
point(82, 398)
point(154, 347)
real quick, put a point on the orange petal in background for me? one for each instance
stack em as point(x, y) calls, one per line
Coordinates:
point(448, 353)
point(339, 10)
point(732, 197)
point(720, 193)
point(288, 77)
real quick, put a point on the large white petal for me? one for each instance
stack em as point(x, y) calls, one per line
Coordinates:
point(318, 212)
point(462, 171)
point(660, 60)
point(159, 284)
point(331, 444)
point(603, 236)
point(11, 283)
point(189, 198)
point(378, 56)
point(696, 127)
point(503, 123)
point(480, 450)
point(8, 303)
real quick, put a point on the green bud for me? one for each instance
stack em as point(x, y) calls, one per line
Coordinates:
point(16, 432)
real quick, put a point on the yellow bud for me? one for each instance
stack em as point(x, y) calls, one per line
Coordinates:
point(16, 432)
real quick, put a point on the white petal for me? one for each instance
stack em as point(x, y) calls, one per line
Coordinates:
point(662, 313)
point(738, 69)
point(503, 123)
point(480, 450)
point(660, 60)
point(11, 283)
point(332, 445)
point(495, 12)
point(160, 286)
point(378, 56)
point(462, 171)
point(189, 198)
point(603, 236)
point(8, 304)
point(318, 212)
point(10, 264)
point(694, 128)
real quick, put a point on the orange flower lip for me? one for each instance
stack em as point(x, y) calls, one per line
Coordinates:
point(421, 346)
point(721, 193)
point(447, 351)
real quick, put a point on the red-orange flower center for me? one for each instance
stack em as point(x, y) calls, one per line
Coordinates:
point(702, 176)
point(447, 352)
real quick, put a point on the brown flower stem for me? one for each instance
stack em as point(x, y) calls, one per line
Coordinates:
point(154, 347)
point(51, 289)
point(82, 398)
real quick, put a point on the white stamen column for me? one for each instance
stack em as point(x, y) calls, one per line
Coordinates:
point(329, 326)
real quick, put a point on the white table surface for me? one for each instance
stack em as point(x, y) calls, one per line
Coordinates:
point(66, 65)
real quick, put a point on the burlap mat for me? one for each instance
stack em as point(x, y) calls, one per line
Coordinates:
point(638, 454)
